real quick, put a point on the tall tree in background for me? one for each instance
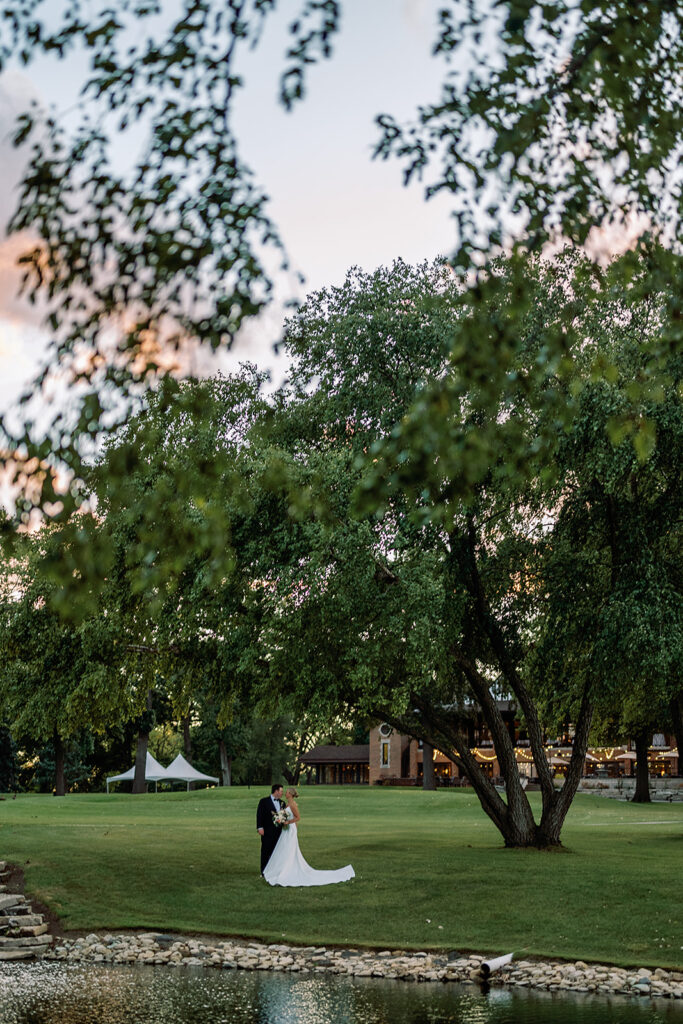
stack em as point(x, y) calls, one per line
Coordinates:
point(177, 618)
point(558, 585)
point(57, 678)
point(8, 761)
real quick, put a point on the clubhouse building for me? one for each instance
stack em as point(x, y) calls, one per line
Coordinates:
point(391, 758)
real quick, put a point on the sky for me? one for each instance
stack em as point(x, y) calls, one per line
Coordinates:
point(334, 206)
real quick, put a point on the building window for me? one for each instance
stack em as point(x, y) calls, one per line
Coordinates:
point(384, 754)
point(385, 730)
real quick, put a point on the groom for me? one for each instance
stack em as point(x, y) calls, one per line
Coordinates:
point(265, 826)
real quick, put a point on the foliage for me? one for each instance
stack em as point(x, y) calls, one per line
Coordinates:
point(57, 678)
point(132, 264)
point(77, 771)
point(553, 119)
point(560, 588)
point(256, 746)
point(614, 613)
point(8, 761)
point(559, 116)
point(543, 137)
point(165, 743)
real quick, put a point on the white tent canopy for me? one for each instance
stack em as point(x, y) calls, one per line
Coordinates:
point(182, 770)
point(179, 770)
point(153, 773)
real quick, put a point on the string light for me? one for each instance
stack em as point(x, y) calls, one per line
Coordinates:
point(524, 756)
point(482, 757)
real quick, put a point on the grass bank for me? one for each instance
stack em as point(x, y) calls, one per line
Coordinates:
point(430, 872)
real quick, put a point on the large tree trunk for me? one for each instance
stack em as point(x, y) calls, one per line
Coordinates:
point(512, 816)
point(292, 771)
point(514, 820)
point(292, 777)
point(555, 807)
point(226, 764)
point(642, 793)
point(517, 823)
point(60, 777)
point(428, 780)
point(139, 783)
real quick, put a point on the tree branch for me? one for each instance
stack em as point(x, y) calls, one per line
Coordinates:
point(465, 549)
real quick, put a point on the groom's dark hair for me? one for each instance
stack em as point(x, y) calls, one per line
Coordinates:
point(276, 785)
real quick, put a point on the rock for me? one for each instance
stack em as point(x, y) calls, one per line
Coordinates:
point(24, 920)
point(25, 942)
point(38, 929)
point(10, 899)
point(419, 967)
point(16, 954)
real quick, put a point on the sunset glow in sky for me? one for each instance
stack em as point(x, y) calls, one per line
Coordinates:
point(333, 205)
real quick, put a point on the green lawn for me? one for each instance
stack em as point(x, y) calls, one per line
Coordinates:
point(430, 872)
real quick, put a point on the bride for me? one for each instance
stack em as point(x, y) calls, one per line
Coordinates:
point(287, 865)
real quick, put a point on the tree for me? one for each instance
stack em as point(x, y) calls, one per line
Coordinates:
point(636, 714)
point(56, 679)
point(217, 747)
point(178, 625)
point(55, 768)
point(532, 586)
point(562, 118)
point(8, 761)
point(621, 526)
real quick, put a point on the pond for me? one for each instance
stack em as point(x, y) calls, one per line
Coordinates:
point(51, 993)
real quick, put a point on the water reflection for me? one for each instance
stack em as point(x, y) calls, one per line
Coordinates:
point(51, 993)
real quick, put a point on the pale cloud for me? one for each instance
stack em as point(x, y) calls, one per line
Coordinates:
point(334, 206)
point(420, 15)
point(16, 95)
point(604, 243)
point(23, 342)
point(15, 307)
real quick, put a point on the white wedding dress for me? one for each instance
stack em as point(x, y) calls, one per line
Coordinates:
point(288, 867)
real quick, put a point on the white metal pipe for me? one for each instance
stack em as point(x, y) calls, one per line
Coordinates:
point(489, 966)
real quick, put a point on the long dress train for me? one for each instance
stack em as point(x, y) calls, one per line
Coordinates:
point(288, 867)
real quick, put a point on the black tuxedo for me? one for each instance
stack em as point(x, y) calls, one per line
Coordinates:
point(271, 831)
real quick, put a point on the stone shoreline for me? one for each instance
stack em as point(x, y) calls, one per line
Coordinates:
point(226, 954)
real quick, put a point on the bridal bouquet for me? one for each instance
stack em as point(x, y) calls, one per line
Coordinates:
point(280, 817)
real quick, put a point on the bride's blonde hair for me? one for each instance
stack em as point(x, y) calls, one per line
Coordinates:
point(291, 792)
